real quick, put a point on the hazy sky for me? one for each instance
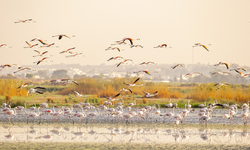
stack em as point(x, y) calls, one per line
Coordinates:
point(98, 23)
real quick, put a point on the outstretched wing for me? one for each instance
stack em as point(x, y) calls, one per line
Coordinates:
point(40, 92)
point(145, 92)
point(39, 87)
point(75, 82)
point(136, 80)
point(117, 95)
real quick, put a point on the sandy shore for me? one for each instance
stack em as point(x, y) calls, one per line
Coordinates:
point(95, 146)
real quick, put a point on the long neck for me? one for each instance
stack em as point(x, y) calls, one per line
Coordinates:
point(173, 109)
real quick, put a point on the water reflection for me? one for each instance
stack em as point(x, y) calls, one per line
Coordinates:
point(122, 134)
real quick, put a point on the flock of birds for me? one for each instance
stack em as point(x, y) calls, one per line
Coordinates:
point(117, 112)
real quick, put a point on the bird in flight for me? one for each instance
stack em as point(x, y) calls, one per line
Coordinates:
point(38, 39)
point(220, 73)
point(24, 21)
point(61, 35)
point(22, 68)
point(35, 90)
point(243, 75)
point(42, 60)
point(125, 61)
point(221, 63)
point(67, 50)
point(5, 65)
point(238, 68)
point(136, 46)
point(178, 65)
point(202, 45)
point(133, 84)
point(40, 54)
point(124, 89)
point(22, 86)
point(113, 98)
point(77, 94)
point(48, 45)
point(219, 84)
point(115, 58)
point(150, 94)
point(74, 55)
point(147, 63)
point(113, 48)
point(162, 46)
point(194, 74)
point(146, 71)
point(30, 45)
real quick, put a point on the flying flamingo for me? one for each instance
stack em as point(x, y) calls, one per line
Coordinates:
point(24, 21)
point(178, 65)
point(61, 35)
point(42, 60)
point(161, 46)
point(136, 46)
point(220, 73)
point(40, 54)
point(194, 74)
point(125, 61)
point(22, 69)
point(222, 63)
point(133, 84)
point(146, 71)
point(146, 63)
point(74, 55)
point(202, 45)
point(30, 45)
point(238, 68)
point(150, 94)
point(123, 89)
point(113, 48)
point(6, 65)
point(67, 50)
point(48, 45)
point(243, 75)
point(38, 39)
point(218, 85)
point(115, 58)
point(35, 90)
point(77, 94)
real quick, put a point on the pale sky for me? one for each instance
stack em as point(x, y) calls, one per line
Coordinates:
point(98, 23)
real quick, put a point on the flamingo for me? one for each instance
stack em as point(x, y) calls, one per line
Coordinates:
point(243, 75)
point(202, 45)
point(61, 35)
point(20, 108)
point(38, 39)
point(124, 89)
point(161, 46)
point(113, 48)
point(205, 118)
point(35, 90)
point(5, 65)
point(11, 112)
point(194, 74)
point(74, 55)
point(33, 115)
point(238, 68)
point(24, 21)
point(226, 116)
point(150, 94)
point(169, 115)
point(68, 50)
point(30, 45)
point(202, 105)
point(219, 84)
point(147, 63)
point(146, 71)
point(129, 39)
point(48, 45)
point(222, 63)
point(2, 45)
point(115, 58)
point(178, 65)
point(123, 62)
point(40, 54)
point(136, 46)
point(22, 69)
point(220, 73)
point(77, 94)
point(133, 84)
point(56, 114)
point(42, 60)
